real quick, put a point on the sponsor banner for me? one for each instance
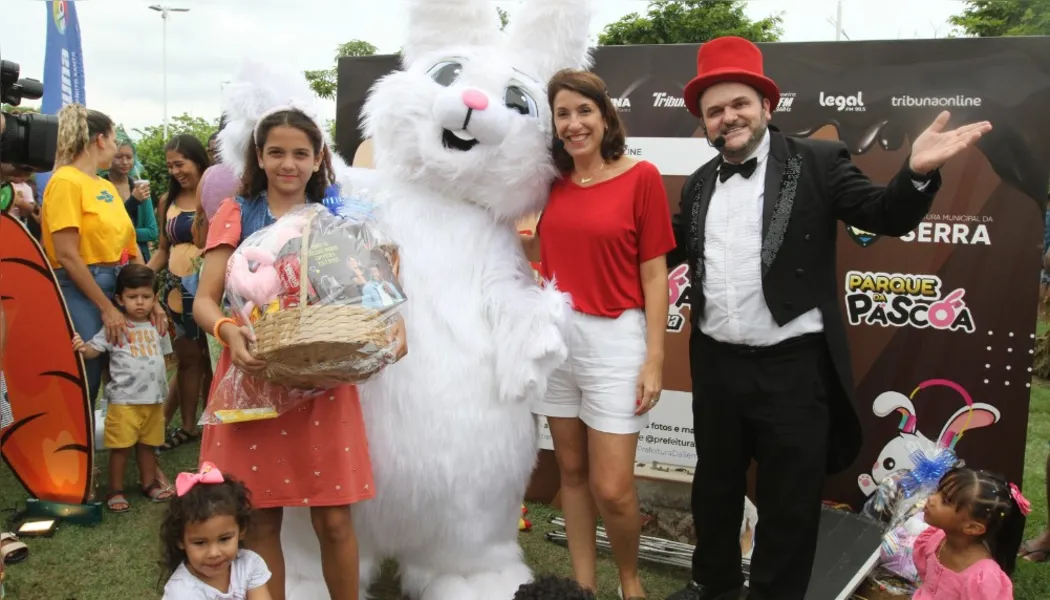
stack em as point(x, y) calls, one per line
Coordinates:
point(63, 64)
point(941, 320)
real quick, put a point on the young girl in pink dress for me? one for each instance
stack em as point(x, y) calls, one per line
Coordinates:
point(969, 551)
point(315, 456)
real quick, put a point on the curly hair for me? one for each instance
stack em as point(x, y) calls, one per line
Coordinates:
point(77, 127)
point(552, 587)
point(204, 501)
point(255, 181)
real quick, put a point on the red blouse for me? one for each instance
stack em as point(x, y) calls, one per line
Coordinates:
point(594, 239)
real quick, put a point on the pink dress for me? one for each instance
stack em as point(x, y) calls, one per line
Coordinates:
point(983, 580)
point(314, 455)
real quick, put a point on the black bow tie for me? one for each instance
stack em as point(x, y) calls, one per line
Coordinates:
point(745, 169)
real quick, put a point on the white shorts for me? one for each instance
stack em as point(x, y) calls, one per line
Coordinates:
point(597, 382)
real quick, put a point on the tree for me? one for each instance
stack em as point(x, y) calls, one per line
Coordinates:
point(325, 81)
point(998, 18)
point(689, 22)
point(504, 18)
point(17, 110)
point(149, 147)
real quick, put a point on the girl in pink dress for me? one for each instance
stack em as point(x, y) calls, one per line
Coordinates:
point(315, 456)
point(969, 551)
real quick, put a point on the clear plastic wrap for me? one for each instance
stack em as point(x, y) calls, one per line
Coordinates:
point(318, 290)
point(895, 554)
point(902, 494)
point(898, 505)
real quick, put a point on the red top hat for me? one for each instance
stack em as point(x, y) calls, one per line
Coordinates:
point(728, 58)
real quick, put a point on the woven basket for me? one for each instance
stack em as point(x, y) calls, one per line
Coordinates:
point(312, 346)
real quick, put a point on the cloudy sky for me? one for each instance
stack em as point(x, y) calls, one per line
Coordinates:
point(122, 39)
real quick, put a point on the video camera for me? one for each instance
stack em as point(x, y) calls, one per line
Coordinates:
point(29, 140)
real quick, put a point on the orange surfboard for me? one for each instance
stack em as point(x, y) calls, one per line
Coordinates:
point(50, 444)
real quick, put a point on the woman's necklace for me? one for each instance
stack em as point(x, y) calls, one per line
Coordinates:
point(591, 178)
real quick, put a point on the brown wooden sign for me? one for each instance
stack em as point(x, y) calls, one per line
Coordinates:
point(941, 321)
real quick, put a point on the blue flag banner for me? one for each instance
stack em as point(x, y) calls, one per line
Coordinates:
point(63, 63)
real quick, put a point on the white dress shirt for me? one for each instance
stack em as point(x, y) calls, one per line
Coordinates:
point(735, 310)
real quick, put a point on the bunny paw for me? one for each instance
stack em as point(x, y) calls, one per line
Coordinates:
point(523, 367)
point(867, 484)
point(547, 350)
point(557, 304)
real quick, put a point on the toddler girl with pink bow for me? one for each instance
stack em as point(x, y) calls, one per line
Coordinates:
point(976, 522)
point(201, 541)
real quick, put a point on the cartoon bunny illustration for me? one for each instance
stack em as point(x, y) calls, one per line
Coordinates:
point(461, 148)
point(895, 456)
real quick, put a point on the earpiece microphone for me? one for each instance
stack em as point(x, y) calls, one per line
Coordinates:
point(720, 142)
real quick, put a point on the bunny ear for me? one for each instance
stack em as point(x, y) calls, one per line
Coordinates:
point(982, 415)
point(434, 25)
point(552, 35)
point(257, 90)
point(888, 402)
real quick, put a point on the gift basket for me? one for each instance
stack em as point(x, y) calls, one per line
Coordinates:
point(319, 293)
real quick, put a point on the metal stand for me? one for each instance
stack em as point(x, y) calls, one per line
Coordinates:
point(651, 549)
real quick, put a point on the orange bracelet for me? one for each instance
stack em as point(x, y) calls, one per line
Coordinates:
point(218, 324)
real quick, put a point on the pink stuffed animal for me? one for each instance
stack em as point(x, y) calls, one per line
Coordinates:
point(261, 285)
point(258, 287)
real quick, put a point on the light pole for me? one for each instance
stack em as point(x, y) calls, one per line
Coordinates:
point(164, 11)
point(838, 21)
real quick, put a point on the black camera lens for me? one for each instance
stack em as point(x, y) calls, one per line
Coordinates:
point(29, 141)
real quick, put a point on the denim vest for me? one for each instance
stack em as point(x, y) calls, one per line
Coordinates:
point(255, 214)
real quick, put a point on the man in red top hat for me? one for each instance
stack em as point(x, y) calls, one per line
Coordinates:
point(769, 358)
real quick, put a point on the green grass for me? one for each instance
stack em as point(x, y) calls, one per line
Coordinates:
point(116, 560)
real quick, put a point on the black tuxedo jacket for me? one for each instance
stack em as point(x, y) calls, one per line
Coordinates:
point(810, 185)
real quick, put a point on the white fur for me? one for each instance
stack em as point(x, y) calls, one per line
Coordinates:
point(451, 436)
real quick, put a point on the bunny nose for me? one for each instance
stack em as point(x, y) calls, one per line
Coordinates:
point(475, 99)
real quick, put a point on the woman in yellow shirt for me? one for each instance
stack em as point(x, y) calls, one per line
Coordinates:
point(86, 231)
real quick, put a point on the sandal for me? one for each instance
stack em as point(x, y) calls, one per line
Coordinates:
point(1031, 553)
point(156, 492)
point(12, 551)
point(116, 502)
point(177, 438)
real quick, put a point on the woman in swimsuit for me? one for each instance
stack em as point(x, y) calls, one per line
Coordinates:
point(178, 257)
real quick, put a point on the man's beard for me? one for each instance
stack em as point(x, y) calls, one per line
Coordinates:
point(752, 143)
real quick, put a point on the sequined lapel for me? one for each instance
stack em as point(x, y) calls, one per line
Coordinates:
point(782, 174)
point(701, 193)
point(778, 153)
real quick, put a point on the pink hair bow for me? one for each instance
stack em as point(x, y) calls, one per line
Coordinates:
point(1022, 502)
point(208, 474)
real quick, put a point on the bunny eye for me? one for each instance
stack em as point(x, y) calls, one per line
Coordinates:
point(445, 73)
point(889, 464)
point(518, 99)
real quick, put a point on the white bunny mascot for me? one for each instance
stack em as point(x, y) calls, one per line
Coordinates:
point(461, 147)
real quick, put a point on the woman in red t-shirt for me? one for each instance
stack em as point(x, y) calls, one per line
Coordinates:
point(602, 237)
